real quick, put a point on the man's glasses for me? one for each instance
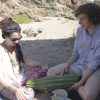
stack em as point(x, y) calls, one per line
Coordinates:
point(16, 39)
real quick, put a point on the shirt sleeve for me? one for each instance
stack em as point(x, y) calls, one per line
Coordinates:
point(94, 60)
point(75, 50)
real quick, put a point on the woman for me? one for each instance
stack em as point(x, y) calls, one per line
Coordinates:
point(12, 73)
point(85, 59)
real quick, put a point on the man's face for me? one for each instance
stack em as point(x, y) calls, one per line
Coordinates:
point(84, 21)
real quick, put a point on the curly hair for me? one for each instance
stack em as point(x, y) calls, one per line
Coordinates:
point(92, 11)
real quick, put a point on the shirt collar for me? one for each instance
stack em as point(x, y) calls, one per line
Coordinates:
point(93, 31)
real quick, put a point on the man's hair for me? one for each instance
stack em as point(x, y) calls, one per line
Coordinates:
point(92, 11)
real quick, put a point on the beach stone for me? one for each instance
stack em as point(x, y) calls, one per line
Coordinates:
point(59, 94)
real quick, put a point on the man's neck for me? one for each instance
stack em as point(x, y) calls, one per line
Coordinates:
point(90, 29)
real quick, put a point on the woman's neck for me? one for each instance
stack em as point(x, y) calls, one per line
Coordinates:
point(9, 48)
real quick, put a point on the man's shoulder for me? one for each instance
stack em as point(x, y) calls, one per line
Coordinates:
point(80, 31)
point(80, 28)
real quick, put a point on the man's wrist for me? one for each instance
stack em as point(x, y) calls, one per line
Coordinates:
point(81, 82)
point(66, 68)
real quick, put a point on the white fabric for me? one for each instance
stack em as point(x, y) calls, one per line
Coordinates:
point(7, 67)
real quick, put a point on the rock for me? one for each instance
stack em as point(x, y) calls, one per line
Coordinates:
point(35, 7)
point(60, 94)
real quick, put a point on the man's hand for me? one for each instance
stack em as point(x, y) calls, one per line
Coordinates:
point(76, 85)
point(66, 69)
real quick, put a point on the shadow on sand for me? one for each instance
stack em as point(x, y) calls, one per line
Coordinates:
point(51, 51)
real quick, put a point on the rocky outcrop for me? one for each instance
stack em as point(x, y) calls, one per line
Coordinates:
point(36, 7)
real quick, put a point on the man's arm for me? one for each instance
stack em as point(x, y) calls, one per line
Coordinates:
point(70, 61)
point(86, 75)
point(92, 65)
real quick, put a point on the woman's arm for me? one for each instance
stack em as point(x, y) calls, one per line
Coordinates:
point(4, 83)
point(20, 93)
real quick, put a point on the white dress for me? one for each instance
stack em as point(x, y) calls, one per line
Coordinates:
point(10, 73)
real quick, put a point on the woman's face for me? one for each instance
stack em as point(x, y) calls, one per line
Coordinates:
point(84, 21)
point(13, 39)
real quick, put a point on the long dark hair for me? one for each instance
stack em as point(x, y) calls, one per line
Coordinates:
point(8, 26)
point(19, 55)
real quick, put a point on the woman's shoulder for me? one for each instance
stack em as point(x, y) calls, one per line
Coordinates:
point(1, 48)
point(1, 52)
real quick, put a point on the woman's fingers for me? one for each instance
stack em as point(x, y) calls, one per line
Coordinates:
point(21, 94)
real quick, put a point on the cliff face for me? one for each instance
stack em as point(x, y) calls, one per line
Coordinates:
point(37, 7)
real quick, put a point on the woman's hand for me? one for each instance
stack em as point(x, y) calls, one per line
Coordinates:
point(21, 94)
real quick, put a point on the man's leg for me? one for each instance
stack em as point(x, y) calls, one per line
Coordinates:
point(56, 70)
point(92, 87)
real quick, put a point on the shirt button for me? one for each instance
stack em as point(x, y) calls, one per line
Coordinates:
point(92, 48)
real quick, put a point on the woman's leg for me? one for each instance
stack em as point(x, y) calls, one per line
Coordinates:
point(92, 87)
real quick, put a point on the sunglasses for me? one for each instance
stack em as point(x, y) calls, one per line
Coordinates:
point(15, 39)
